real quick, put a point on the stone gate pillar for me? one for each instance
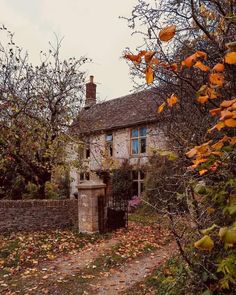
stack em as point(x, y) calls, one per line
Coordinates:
point(88, 205)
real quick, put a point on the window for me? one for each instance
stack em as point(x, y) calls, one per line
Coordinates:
point(137, 182)
point(138, 141)
point(84, 176)
point(87, 152)
point(109, 144)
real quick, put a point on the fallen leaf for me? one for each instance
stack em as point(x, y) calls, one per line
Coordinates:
point(167, 33)
point(230, 58)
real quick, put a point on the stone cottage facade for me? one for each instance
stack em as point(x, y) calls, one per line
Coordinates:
point(122, 129)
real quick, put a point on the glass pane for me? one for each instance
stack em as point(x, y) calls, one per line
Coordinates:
point(135, 188)
point(134, 132)
point(110, 150)
point(135, 146)
point(135, 174)
point(109, 137)
point(141, 187)
point(142, 175)
point(143, 145)
point(143, 131)
point(87, 154)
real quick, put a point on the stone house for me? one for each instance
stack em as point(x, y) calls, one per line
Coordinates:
point(121, 129)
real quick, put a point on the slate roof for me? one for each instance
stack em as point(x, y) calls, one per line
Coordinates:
point(134, 109)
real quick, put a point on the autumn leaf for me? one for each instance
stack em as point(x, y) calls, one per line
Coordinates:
point(149, 75)
point(218, 146)
point(230, 58)
point(174, 67)
point(191, 153)
point(228, 103)
point(218, 126)
point(228, 235)
point(219, 68)
point(201, 54)
point(203, 171)
point(167, 33)
point(205, 243)
point(216, 79)
point(148, 56)
point(189, 61)
point(230, 123)
point(233, 140)
point(226, 115)
point(161, 107)
point(135, 58)
point(214, 112)
point(172, 100)
point(211, 92)
point(201, 66)
point(203, 98)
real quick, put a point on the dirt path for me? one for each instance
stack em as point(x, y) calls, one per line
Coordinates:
point(128, 274)
point(72, 263)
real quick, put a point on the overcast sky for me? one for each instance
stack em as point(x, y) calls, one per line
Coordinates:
point(90, 28)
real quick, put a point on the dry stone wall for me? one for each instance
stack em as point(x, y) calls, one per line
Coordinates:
point(31, 215)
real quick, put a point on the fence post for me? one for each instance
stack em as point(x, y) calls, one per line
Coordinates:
point(88, 205)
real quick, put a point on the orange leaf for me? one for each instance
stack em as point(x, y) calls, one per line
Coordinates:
point(216, 79)
point(172, 100)
point(149, 55)
point(135, 58)
point(201, 54)
point(218, 126)
point(191, 153)
point(174, 67)
point(228, 103)
point(233, 140)
point(203, 98)
point(189, 61)
point(201, 172)
point(149, 75)
point(214, 112)
point(155, 61)
point(197, 162)
point(230, 58)
point(167, 33)
point(219, 68)
point(161, 107)
point(226, 115)
point(218, 146)
point(211, 93)
point(230, 123)
point(201, 66)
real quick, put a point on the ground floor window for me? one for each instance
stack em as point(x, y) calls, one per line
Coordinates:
point(137, 182)
point(84, 176)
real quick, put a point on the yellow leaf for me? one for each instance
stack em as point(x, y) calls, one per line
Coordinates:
point(230, 123)
point(203, 98)
point(216, 79)
point(149, 75)
point(210, 210)
point(197, 162)
point(203, 171)
point(161, 107)
point(205, 243)
point(201, 66)
point(228, 235)
point(167, 33)
point(230, 58)
point(149, 55)
point(172, 100)
point(219, 68)
point(218, 146)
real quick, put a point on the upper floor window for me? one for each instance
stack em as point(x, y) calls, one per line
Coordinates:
point(87, 152)
point(138, 140)
point(109, 144)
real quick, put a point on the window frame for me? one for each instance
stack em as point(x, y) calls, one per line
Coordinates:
point(109, 144)
point(139, 180)
point(139, 138)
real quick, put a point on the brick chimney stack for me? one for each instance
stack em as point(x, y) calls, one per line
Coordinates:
point(90, 93)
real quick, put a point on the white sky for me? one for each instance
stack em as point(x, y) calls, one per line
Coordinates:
point(90, 28)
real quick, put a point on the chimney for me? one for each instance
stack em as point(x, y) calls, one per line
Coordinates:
point(90, 93)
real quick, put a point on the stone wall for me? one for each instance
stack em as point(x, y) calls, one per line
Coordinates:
point(30, 215)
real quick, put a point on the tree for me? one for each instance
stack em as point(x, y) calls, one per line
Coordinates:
point(37, 105)
point(203, 68)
